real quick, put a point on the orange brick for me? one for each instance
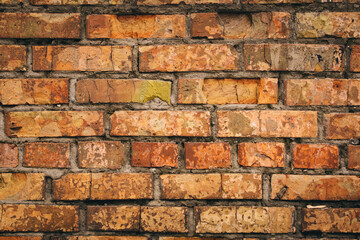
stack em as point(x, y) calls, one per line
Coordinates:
point(315, 187)
point(262, 154)
point(342, 125)
point(315, 156)
point(241, 186)
point(354, 157)
point(183, 58)
point(355, 59)
point(110, 237)
point(331, 220)
point(72, 186)
point(160, 123)
point(105, 154)
point(163, 219)
point(113, 218)
point(54, 123)
point(26, 218)
point(354, 92)
point(43, 25)
point(10, 2)
point(12, 58)
point(9, 155)
point(20, 238)
point(22, 186)
point(304, 57)
point(191, 186)
point(82, 58)
point(207, 155)
point(135, 26)
point(275, 1)
point(191, 2)
point(154, 154)
point(47, 155)
point(238, 123)
point(33, 91)
point(77, 2)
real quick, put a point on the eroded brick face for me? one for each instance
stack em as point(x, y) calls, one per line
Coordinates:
point(22, 186)
point(172, 219)
point(262, 154)
point(315, 156)
point(12, 58)
point(152, 154)
point(9, 155)
point(354, 157)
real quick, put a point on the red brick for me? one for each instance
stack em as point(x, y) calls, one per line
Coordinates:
point(191, 186)
point(354, 157)
point(54, 123)
point(22, 186)
point(315, 156)
point(72, 186)
point(355, 59)
point(315, 187)
point(262, 154)
point(8, 156)
point(163, 219)
point(354, 92)
point(160, 123)
point(40, 25)
point(77, 2)
point(342, 125)
point(105, 154)
point(12, 58)
point(331, 220)
point(154, 154)
point(183, 58)
point(293, 57)
point(298, 124)
point(238, 123)
point(47, 155)
point(207, 155)
point(33, 91)
point(82, 58)
point(244, 219)
point(275, 1)
point(192, 2)
point(316, 92)
point(113, 218)
point(39, 218)
point(238, 26)
point(135, 26)
point(241, 186)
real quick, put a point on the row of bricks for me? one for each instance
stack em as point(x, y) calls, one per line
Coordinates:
point(127, 186)
point(298, 92)
point(113, 237)
point(209, 219)
point(111, 155)
point(237, 123)
point(273, 25)
point(182, 58)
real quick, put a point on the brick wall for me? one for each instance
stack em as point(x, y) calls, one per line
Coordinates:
point(179, 119)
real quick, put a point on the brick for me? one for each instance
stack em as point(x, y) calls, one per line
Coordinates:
point(207, 155)
point(261, 154)
point(34, 91)
point(238, 123)
point(315, 187)
point(77, 2)
point(297, 124)
point(354, 157)
point(315, 156)
point(316, 92)
point(275, 1)
point(72, 186)
point(9, 155)
point(241, 186)
point(135, 26)
point(121, 90)
point(106, 238)
point(342, 125)
point(10, 2)
point(163, 219)
point(332, 220)
point(82, 58)
point(20, 238)
point(354, 92)
point(237, 26)
point(325, 24)
point(104, 154)
point(160, 123)
point(108, 186)
point(191, 186)
point(293, 57)
point(227, 91)
point(113, 218)
point(22, 186)
point(244, 219)
point(40, 25)
point(154, 154)
point(355, 58)
point(191, 2)
point(47, 155)
point(183, 58)
point(12, 58)
point(54, 123)
point(39, 218)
